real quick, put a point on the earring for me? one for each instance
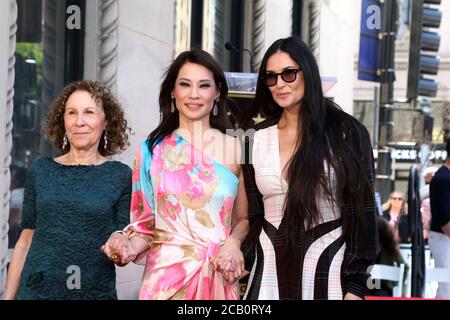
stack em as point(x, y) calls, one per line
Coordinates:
point(105, 140)
point(172, 105)
point(64, 141)
point(215, 110)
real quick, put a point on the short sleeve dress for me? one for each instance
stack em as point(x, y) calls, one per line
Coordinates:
point(73, 210)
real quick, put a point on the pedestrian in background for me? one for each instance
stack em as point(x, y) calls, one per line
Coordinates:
point(425, 208)
point(439, 237)
point(395, 211)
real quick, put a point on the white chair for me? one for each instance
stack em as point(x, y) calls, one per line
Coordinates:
point(392, 273)
point(432, 277)
point(437, 275)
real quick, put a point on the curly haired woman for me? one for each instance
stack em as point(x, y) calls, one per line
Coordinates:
point(73, 202)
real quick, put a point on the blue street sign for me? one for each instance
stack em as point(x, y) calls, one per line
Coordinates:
point(369, 43)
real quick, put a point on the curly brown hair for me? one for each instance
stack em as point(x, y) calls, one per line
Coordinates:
point(116, 127)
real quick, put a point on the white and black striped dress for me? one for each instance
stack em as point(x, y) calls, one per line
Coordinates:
point(322, 267)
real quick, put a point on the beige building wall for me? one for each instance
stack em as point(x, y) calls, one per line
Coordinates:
point(8, 15)
point(182, 25)
point(146, 41)
point(337, 46)
point(145, 49)
point(278, 20)
point(208, 26)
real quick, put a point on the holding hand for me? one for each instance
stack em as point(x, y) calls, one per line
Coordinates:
point(119, 249)
point(230, 260)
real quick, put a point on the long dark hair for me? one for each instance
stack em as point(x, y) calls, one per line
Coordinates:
point(328, 135)
point(170, 121)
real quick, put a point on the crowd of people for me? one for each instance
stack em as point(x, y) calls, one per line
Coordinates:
point(394, 227)
point(291, 205)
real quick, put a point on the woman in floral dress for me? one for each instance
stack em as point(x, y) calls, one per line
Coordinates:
point(188, 208)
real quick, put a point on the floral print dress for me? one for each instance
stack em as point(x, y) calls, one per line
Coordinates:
point(181, 203)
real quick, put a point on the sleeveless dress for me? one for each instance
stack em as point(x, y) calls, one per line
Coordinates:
point(182, 203)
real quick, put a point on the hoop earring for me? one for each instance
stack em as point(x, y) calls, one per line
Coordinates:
point(105, 140)
point(64, 145)
point(172, 105)
point(215, 110)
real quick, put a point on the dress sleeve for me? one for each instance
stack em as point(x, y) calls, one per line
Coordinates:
point(361, 234)
point(142, 214)
point(29, 201)
point(122, 206)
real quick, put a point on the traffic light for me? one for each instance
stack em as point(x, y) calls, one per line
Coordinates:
point(424, 18)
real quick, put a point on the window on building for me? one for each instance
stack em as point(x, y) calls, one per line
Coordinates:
point(196, 23)
point(49, 54)
point(409, 125)
point(228, 25)
point(297, 11)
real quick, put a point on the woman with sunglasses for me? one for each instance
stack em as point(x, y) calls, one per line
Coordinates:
point(395, 212)
point(309, 177)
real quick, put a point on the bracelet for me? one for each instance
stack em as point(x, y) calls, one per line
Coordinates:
point(134, 234)
point(121, 232)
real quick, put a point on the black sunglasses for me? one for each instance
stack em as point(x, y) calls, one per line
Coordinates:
point(289, 75)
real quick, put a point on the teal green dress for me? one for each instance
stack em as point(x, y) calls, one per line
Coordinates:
point(73, 210)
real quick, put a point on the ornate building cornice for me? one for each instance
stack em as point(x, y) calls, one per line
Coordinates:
point(8, 113)
point(259, 20)
point(108, 42)
point(219, 32)
point(314, 28)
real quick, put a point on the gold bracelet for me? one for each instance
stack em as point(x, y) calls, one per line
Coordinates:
point(136, 234)
point(121, 232)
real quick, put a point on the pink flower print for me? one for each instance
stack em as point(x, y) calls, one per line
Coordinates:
point(206, 172)
point(172, 277)
point(205, 290)
point(153, 256)
point(138, 205)
point(171, 210)
point(158, 157)
point(192, 286)
point(225, 214)
point(160, 193)
point(171, 162)
point(137, 165)
point(195, 190)
point(174, 182)
point(209, 252)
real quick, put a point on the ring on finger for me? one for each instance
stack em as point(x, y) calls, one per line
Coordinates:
point(115, 257)
point(231, 267)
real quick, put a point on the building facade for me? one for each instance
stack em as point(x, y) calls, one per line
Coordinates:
point(408, 123)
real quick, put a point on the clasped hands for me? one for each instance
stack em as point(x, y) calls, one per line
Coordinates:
point(119, 249)
point(229, 260)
